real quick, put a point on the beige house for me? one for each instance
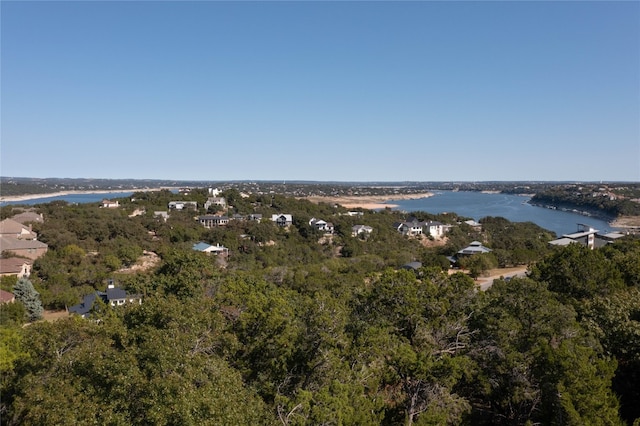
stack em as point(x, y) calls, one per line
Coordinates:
point(29, 216)
point(31, 249)
point(15, 266)
point(14, 229)
point(109, 204)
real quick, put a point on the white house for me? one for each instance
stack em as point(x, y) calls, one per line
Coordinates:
point(282, 219)
point(435, 229)
point(108, 204)
point(210, 221)
point(413, 227)
point(215, 201)
point(361, 229)
point(179, 205)
point(208, 248)
point(321, 225)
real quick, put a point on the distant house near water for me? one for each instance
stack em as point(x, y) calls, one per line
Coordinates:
point(414, 227)
point(588, 236)
point(108, 204)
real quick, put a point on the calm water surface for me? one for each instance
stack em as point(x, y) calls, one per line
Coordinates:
point(477, 205)
point(73, 198)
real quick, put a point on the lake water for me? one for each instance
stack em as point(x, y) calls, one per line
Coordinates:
point(73, 198)
point(477, 205)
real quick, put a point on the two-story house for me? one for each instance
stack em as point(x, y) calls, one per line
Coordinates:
point(321, 225)
point(283, 220)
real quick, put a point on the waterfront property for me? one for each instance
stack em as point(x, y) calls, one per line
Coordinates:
point(588, 236)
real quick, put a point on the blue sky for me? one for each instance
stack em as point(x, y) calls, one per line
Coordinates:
point(341, 91)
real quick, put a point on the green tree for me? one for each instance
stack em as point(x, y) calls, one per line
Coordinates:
point(12, 314)
point(536, 363)
point(578, 273)
point(10, 348)
point(30, 298)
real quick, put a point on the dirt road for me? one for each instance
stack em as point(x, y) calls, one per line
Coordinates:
point(486, 282)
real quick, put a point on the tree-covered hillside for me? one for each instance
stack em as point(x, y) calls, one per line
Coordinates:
point(296, 327)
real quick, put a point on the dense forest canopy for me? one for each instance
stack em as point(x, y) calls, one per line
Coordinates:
point(299, 327)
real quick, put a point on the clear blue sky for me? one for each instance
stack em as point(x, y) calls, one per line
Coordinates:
point(347, 91)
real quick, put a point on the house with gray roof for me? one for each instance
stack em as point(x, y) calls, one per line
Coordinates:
point(208, 248)
point(475, 247)
point(113, 296)
point(412, 227)
point(588, 236)
point(283, 220)
point(434, 228)
point(211, 221)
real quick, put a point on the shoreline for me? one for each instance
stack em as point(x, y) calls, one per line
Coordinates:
point(368, 202)
point(28, 197)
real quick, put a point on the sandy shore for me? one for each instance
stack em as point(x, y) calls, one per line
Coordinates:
point(368, 202)
point(26, 197)
point(626, 222)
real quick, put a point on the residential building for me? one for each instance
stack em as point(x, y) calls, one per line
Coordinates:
point(210, 221)
point(31, 249)
point(434, 228)
point(361, 229)
point(321, 225)
point(211, 249)
point(282, 219)
point(475, 247)
point(588, 236)
point(28, 216)
point(14, 229)
point(255, 216)
point(114, 296)
point(475, 225)
point(411, 228)
point(180, 205)
point(108, 204)
point(15, 266)
point(215, 201)
point(412, 266)
point(6, 297)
